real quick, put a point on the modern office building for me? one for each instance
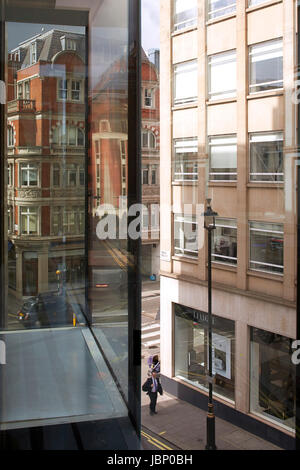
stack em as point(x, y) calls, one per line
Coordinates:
point(228, 132)
point(70, 349)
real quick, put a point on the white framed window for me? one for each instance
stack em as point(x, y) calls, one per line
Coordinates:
point(67, 220)
point(218, 8)
point(185, 159)
point(33, 53)
point(223, 158)
point(29, 220)
point(148, 139)
point(73, 136)
point(222, 75)
point(185, 82)
point(266, 247)
point(10, 136)
point(266, 66)
point(148, 97)
point(69, 90)
point(185, 14)
point(266, 157)
point(10, 174)
point(29, 174)
point(224, 241)
point(185, 235)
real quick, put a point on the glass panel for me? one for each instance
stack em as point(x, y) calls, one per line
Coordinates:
point(218, 8)
point(185, 164)
point(65, 314)
point(266, 157)
point(185, 82)
point(222, 75)
point(185, 13)
point(266, 66)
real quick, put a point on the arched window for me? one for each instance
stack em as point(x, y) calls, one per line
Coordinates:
point(10, 136)
point(68, 136)
point(148, 139)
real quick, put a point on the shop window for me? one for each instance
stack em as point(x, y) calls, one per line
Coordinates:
point(272, 385)
point(29, 220)
point(266, 66)
point(222, 75)
point(185, 159)
point(185, 235)
point(223, 158)
point(266, 157)
point(192, 350)
point(185, 13)
point(218, 8)
point(224, 243)
point(29, 174)
point(266, 247)
point(185, 82)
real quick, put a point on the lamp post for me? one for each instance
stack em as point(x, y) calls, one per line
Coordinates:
point(210, 225)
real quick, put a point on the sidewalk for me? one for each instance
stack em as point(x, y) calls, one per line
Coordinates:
point(184, 425)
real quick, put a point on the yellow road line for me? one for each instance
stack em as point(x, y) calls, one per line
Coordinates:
point(154, 441)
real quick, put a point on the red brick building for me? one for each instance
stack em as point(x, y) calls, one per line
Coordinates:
point(45, 161)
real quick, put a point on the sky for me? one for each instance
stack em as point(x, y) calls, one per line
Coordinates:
point(150, 24)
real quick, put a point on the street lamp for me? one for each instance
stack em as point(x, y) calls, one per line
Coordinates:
point(210, 225)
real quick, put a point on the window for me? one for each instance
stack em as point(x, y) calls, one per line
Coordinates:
point(185, 159)
point(266, 247)
point(148, 139)
point(73, 175)
point(191, 345)
point(148, 97)
point(73, 136)
point(154, 174)
point(29, 174)
point(185, 82)
point(71, 44)
point(29, 220)
point(185, 13)
point(185, 235)
point(223, 158)
point(10, 174)
point(68, 220)
point(256, 2)
point(145, 174)
point(145, 218)
point(69, 89)
point(224, 243)
point(33, 53)
point(24, 90)
point(272, 377)
point(218, 8)
point(10, 136)
point(266, 66)
point(266, 157)
point(222, 75)
point(56, 174)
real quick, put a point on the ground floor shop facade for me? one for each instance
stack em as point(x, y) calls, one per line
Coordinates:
point(254, 377)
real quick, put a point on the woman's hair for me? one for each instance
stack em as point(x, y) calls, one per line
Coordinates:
point(155, 359)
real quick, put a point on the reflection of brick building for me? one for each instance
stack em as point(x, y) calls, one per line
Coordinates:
point(108, 178)
point(45, 161)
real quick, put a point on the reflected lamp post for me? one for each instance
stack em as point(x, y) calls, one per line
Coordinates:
point(210, 225)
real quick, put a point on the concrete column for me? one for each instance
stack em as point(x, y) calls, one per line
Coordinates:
point(242, 361)
point(242, 167)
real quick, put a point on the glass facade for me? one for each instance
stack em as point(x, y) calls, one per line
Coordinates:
point(65, 318)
